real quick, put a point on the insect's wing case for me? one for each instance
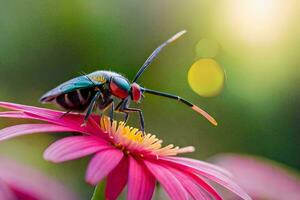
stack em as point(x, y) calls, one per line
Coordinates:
point(80, 82)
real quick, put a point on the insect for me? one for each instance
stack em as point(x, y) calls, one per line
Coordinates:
point(102, 88)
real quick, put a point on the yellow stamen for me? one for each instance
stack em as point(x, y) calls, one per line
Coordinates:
point(132, 141)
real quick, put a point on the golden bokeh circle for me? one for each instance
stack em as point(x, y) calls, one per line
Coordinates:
point(206, 77)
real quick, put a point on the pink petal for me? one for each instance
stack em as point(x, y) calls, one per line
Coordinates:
point(212, 175)
point(190, 185)
point(201, 165)
point(20, 115)
point(117, 180)
point(141, 182)
point(14, 114)
point(261, 178)
point(27, 181)
point(74, 147)
point(5, 192)
point(23, 195)
point(70, 120)
point(169, 182)
point(203, 184)
point(102, 164)
point(35, 110)
point(24, 129)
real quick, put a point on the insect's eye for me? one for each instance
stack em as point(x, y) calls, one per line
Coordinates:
point(136, 92)
point(119, 87)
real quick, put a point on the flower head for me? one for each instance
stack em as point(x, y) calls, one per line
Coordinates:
point(132, 141)
point(18, 181)
point(122, 154)
point(261, 178)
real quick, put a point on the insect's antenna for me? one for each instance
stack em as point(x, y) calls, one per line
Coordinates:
point(180, 99)
point(84, 74)
point(155, 53)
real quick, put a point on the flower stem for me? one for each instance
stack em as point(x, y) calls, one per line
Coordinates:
point(99, 191)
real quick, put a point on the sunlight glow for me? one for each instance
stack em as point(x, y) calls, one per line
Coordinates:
point(207, 48)
point(258, 21)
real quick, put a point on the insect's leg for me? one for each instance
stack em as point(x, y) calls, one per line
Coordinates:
point(104, 104)
point(91, 107)
point(120, 108)
point(63, 115)
point(119, 105)
point(126, 105)
point(142, 121)
point(127, 110)
point(112, 110)
point(126, 117)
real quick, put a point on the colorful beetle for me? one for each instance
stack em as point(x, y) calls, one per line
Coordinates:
point(84, 92)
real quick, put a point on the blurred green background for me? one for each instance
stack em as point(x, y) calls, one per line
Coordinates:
point(43, 43)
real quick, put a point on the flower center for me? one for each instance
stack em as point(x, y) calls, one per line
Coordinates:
point(132, 141)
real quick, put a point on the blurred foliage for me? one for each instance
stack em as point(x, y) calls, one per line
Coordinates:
point(44, 43)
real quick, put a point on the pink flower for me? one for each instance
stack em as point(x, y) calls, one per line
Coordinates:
point(123, 155)
point(261, 178)
point(19, 182)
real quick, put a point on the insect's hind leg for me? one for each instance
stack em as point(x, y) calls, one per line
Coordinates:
point(91, 107)
point(65, 113)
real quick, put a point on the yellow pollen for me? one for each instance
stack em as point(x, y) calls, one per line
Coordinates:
point(132, 141)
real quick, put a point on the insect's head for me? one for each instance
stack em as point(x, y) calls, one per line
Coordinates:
point(136, 92)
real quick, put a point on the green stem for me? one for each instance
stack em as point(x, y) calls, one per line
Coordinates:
point(99, 191)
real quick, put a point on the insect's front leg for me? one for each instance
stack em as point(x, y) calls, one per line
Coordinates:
point(125, 109)
point(141, 116)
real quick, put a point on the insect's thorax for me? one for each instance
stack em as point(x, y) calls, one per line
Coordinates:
point(102, 76)
point(119, 87)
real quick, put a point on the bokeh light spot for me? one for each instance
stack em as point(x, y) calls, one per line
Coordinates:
point(258, 21)
point(207, 48)
point(206, 77)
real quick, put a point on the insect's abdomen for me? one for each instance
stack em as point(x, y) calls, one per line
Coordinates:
point(77, 100)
